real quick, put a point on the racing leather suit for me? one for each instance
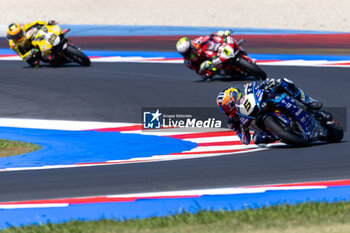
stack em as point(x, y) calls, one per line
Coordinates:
point(24, 48)
point(205, 49)
point(241, 124)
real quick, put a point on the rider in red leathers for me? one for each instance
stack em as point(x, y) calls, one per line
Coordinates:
point(200, 54)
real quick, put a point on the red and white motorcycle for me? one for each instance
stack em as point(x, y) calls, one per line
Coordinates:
point(231, 59)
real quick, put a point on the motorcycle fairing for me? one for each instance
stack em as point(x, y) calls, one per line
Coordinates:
point(306, 121)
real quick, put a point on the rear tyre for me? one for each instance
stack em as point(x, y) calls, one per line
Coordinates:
point(251, 68)
point(286, 135)
point(77, 56)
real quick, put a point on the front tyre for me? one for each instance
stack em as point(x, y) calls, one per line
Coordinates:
point(251, 68)
point(286, 135)
point(335, 132)
point(77, 56)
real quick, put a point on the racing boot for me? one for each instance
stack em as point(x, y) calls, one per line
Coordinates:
point(261, 140)
point(299, 94)
point(33, 58)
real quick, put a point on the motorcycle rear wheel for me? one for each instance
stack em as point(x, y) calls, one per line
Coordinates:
point(286, 135)
point(251, 68)
point(77, 56)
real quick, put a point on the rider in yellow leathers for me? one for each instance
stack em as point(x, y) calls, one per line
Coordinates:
point(20, 40)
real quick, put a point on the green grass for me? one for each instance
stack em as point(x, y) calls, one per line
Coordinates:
point(9, 147)
point(310, 217)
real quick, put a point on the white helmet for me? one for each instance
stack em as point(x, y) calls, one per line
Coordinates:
point(184, 46)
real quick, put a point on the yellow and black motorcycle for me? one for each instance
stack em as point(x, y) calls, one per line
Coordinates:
point(53, 47)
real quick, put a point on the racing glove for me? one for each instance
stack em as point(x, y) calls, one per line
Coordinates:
point(207, 70)
point(271, 84)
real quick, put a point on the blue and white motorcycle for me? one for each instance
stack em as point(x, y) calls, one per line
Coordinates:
point(280, 117)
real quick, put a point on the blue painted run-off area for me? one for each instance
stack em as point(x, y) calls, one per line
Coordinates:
point(144, 208)
point(135, 30)
point(70, 147)
point(172, 55)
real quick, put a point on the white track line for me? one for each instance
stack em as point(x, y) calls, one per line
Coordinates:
point(213, 139)
point(222, 148)
point(218, 191)
point(26, 206)
point(59, 124)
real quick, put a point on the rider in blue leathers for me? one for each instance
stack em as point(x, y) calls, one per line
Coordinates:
point(230, 98)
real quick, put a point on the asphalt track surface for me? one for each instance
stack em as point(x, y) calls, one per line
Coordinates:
point(117, 91)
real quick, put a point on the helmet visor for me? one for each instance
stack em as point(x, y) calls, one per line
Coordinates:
point(189, 52)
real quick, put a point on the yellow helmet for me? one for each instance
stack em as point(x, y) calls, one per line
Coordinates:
point(184, 46)
point(15, 32)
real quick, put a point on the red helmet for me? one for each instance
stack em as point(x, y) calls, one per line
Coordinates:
point(227, 99)
point(15, 32)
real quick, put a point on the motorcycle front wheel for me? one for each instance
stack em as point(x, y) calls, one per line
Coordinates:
point(251, 68)
point(286, 135)
point(335, 132)
point(77, 56)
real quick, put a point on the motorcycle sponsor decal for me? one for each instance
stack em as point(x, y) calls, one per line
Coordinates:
point(288, 105)
point(244, 120)
point(282, 117)
point(297, 113)
point(259, 95)
point(227, 52)
point(31, 32)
